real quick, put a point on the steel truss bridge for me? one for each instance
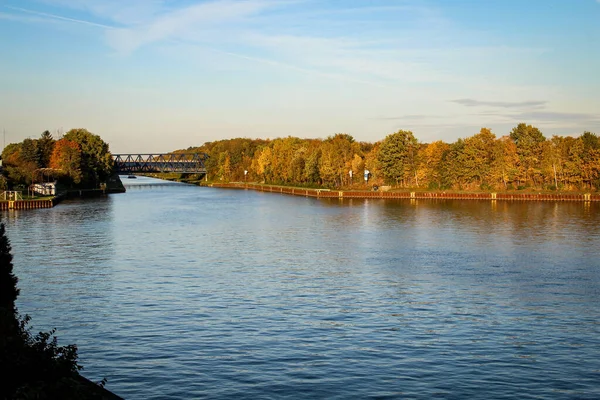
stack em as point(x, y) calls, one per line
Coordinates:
point(182, 163)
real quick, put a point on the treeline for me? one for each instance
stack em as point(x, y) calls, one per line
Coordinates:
point(79, 158)
point(522, 159)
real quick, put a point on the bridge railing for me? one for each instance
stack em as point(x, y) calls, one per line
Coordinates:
point(184, 163)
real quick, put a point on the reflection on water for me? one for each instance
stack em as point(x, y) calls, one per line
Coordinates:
point(177, 291)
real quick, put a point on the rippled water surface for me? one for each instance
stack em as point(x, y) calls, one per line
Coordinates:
point(173, 291)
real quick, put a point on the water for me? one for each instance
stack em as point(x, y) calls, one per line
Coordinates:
point(173, 291)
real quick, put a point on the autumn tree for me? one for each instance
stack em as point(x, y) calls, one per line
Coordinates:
point(479, 156)
point(67, 157)
point(20, 164)
point(504, 167)
point(337, 153)
point(282, 154)
point(358, 166)
point(431, 163)
point(263, 165)
point(224, 166)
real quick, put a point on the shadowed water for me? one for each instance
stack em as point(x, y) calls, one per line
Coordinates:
point(176, 291)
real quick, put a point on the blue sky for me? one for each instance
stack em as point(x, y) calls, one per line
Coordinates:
point(158, 75)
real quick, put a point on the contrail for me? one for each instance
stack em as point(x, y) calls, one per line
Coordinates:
point(53, 16)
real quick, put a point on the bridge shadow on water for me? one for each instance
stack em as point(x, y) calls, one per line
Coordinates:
point(145, 182)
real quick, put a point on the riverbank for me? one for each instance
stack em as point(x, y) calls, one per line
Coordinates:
point(114, 185)
point(356, 194)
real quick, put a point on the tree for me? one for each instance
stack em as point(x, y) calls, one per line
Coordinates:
point(591, 159)
point(397, 156)
point(96, 160)
point(264, 163)
point(311, 167)
point(225, 166)
point(297, 165)
point(29, 152)
point(479, 156)
point(431, 160)
point(66, 157)
point(45, 145)
point(529, 141)
point(358, 165)
point(454, 172)
point(19, 160)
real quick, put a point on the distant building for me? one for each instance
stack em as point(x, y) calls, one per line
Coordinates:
point(45, 189)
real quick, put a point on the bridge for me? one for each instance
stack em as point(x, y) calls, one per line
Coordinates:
point(182, 163)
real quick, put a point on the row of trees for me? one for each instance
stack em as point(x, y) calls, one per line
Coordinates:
point(79, 158)
point(523, 158)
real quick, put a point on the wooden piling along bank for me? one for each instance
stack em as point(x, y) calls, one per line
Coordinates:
point(326, 193)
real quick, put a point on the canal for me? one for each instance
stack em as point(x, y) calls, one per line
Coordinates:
point(172, 291)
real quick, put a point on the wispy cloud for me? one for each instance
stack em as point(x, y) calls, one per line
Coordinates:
point(123, 12)
point(409, 117)
point(398, 46)
point(500, 104)
point(57, 17)
point(555, 116)
point(190, 23)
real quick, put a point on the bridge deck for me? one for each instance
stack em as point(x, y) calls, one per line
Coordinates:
point(183, 163)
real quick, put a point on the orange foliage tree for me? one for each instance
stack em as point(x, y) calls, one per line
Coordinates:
point(66, 157)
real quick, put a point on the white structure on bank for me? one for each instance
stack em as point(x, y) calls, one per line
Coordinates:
point(45, 189)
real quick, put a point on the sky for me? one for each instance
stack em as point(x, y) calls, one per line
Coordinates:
point(159, 75)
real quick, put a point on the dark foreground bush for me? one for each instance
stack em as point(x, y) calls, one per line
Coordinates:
point(34, 366)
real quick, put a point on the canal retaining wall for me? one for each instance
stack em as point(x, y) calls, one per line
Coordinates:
point(28, 204)
point(349, 194)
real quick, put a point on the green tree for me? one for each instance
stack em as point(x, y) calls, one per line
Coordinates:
point(311, 167)
point(398, 157)
point(19, 161)
point(96, 160)
point(529, 141)
point(478, 156)
point(30, 153)
point(45, 146)
point(298, 165)
point(591, 159)
point(455, 173)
